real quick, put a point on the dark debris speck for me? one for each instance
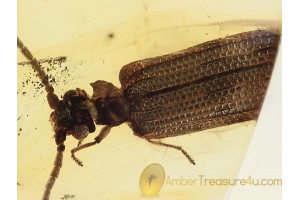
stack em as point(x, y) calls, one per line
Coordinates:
point(54, 68)
point(67, 196)
point(110, 35)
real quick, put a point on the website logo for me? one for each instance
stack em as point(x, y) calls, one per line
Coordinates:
point(152, 179)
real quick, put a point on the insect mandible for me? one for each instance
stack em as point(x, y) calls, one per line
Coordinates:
point(213, 84)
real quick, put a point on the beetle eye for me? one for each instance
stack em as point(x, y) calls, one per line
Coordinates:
point(80, 132)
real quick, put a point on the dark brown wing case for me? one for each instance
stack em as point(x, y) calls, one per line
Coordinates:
point(213, 84)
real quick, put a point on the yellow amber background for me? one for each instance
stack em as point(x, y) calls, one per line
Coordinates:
point(80, 30)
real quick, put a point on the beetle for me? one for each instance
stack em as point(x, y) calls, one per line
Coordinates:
point(213, 84)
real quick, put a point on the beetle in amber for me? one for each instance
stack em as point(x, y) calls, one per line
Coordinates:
point(217, 83)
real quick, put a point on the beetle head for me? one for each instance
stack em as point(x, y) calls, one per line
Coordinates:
point(72, 115)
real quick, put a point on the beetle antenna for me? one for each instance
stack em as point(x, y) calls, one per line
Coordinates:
point(54, 174)
point(51, 96)
point(53, 102)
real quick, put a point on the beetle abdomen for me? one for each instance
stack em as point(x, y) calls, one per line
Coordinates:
point(213, 84)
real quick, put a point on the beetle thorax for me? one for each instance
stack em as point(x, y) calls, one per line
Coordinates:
point(112, 107)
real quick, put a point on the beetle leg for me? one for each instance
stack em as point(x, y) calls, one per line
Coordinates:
point(103, 133)
point(174, 147)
